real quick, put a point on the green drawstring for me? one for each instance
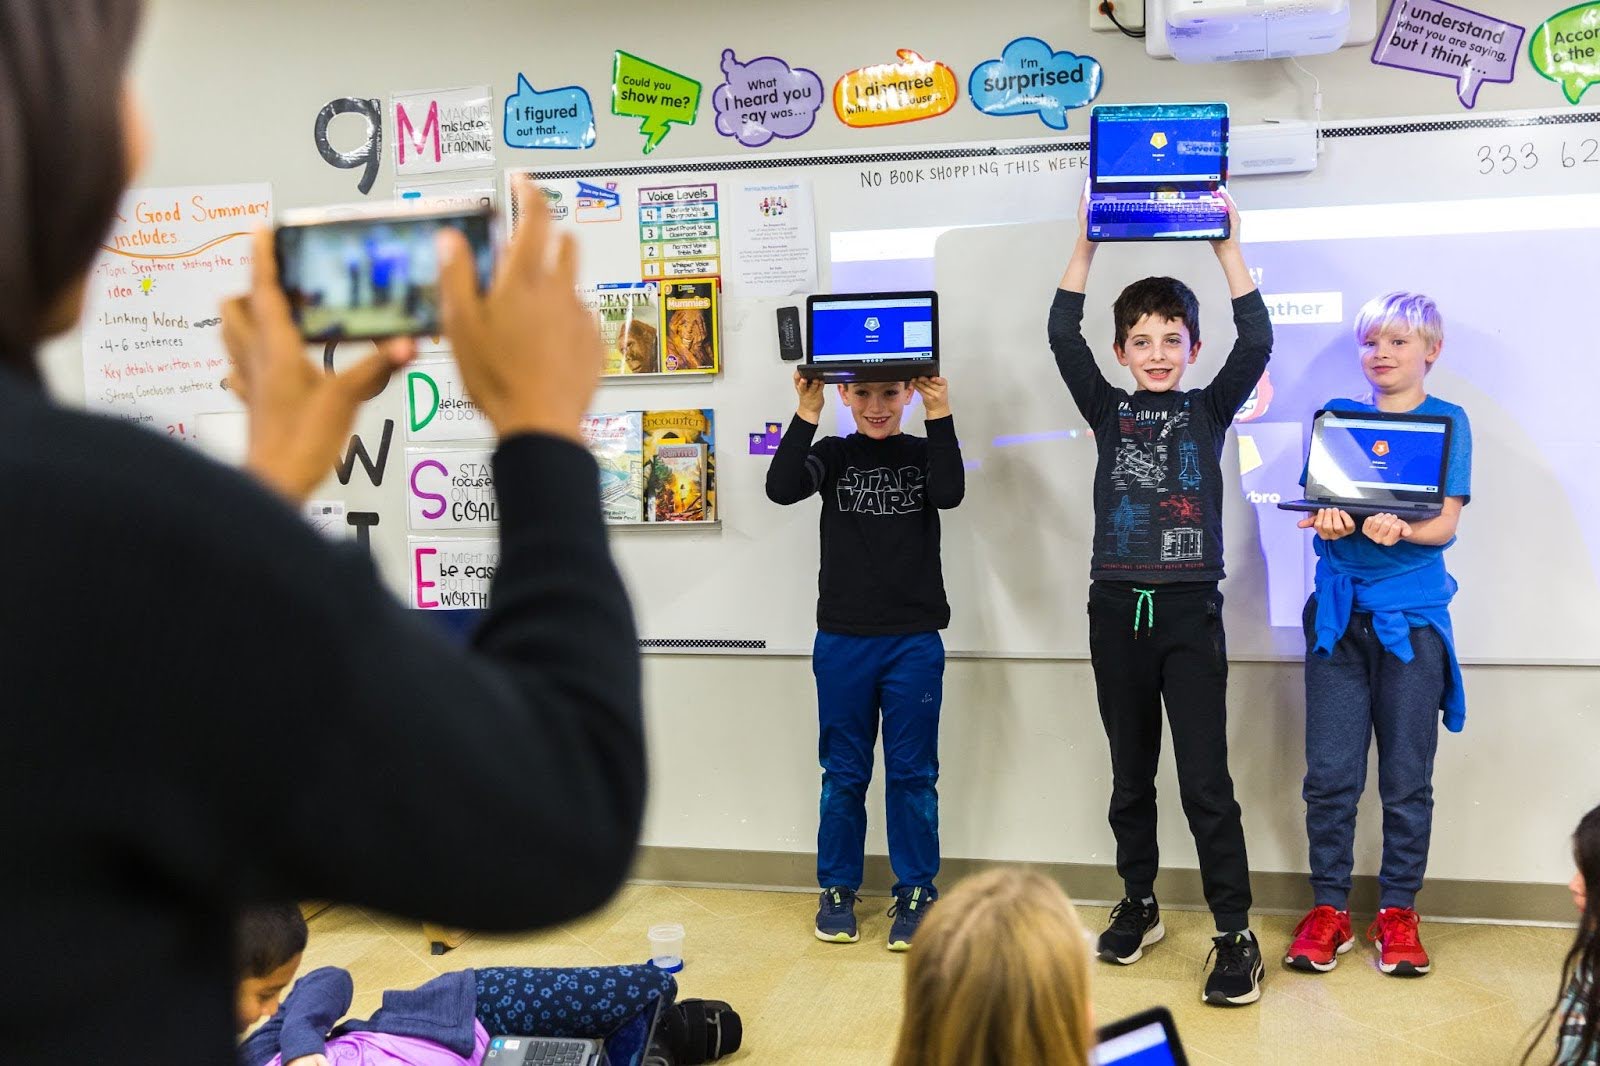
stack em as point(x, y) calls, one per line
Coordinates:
point(1147, 598)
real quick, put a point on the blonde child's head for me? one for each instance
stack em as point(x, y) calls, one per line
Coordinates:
point(1398, 335)
point(999, 973)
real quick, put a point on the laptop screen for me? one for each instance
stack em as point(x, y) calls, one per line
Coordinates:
point(1144, 1046)
point(873, 329)
point(1139, 147)
point(1356, 457)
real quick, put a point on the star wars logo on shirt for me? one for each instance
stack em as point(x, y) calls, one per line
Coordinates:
point(881, 490)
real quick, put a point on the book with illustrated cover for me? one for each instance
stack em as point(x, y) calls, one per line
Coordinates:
point(628, 316)
point(693, 425)
point(690, 337)
point(617, 444)
point(681, 486)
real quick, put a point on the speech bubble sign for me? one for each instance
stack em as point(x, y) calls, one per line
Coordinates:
point(765, 98)
point(1566, 49)
point(1448, 41)
point(549, 118)
point(656, 96)
point(1031, 78)
point(888, 94)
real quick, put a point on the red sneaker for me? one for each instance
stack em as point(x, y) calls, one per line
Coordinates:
point(1400, 951)
point(1320, 938)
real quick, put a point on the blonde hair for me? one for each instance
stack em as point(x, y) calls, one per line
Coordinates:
point(998, 973)
point(1416, 312)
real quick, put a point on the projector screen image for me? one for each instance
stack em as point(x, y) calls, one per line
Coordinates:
point(1514, 289)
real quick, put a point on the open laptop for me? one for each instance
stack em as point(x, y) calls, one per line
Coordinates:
point(1149, 1038)
point(1372, 462)
point(567, 1050)
point(872, 336)
point(1155, 171)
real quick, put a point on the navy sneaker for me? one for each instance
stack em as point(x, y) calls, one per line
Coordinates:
point(1236, 979)
point(908, 910)
point(836, 916)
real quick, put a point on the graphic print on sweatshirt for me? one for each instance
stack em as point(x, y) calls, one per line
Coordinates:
point(881, 490)
point(1147, 443)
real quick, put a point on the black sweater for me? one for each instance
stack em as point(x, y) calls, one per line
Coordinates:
point(205, 705)
point(880, 571)
point(1158, 480)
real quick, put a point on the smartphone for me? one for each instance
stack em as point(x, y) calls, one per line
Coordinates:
point(373, 270)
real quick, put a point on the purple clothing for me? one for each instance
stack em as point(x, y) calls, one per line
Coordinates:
point(382, 1049)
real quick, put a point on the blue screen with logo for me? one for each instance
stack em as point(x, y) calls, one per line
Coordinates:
point(1145, 1046)
point(1140, 145)
point(872, 330)
point(1355, 455)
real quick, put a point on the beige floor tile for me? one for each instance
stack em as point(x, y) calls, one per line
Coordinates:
point(804, 1001)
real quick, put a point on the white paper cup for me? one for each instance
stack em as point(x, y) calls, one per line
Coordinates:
point(666, 947)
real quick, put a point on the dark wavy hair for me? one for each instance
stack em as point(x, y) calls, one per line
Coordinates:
point(1162, 297)
point(1583, 961)
point(62, 163)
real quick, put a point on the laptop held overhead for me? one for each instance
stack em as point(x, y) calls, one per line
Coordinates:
point(872, 336)
point(1374, 462)
point(1155, 171)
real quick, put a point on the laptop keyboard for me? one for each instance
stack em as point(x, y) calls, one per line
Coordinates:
point(1165, 209)
point(557, 1053)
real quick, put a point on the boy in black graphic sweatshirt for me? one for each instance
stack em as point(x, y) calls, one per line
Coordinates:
point(880, 607)
point(1155, 612)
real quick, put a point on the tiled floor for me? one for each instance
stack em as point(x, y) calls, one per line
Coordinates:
point(804, 1001)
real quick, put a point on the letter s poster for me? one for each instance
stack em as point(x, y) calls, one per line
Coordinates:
point(152, 326)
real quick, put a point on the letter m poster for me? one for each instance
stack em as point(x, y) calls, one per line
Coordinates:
point(443, 129)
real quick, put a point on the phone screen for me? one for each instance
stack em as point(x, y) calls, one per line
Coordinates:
point(374, 277)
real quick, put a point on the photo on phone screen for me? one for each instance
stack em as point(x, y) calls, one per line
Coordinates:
point(373, 277)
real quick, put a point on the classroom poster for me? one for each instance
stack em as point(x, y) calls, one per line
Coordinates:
point(679, 232)
point(1449, 41)
point(438, 407)
point(1031, 78)
point(765, 98)
point(152, 337)
point(451, 574)
point(443, 129)
point(1566, 49)
point(656, 96)
point(549, 118)
point(450, 489)
point(774, 235)
point(887, 94)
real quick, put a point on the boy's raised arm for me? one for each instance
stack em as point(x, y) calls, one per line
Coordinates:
point(1094, 396)
point(796, 472)
point(1248, 359)
point(947, 475)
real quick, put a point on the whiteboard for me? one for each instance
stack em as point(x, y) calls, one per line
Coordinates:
point(990, 225)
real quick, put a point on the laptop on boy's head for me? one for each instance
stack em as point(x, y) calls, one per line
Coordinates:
point(1155, 171)
point(1149, 1038)
point(872, 336)
point(1373, 462)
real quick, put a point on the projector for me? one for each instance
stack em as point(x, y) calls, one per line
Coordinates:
point(1225, 31)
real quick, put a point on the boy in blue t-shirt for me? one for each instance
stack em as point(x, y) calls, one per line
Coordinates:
point(1381, 661)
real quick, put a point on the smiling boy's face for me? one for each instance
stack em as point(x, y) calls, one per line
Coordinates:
point(1156, 350)
point(1396, 359)
point(877, 406)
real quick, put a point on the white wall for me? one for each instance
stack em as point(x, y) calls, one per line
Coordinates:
point(232, 89)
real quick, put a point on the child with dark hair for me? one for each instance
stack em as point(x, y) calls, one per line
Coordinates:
point(268, 944)
point(1155, 611)
point(1576, 1014)
point(449, 1021)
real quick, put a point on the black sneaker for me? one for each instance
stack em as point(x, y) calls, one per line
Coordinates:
point(908, 910)
point(1236, 978)
point(1134, 927)
point(836, 916)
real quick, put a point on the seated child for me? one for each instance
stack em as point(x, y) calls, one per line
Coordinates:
point(449, 1020)
point(999, 974)
point(1577, 1013)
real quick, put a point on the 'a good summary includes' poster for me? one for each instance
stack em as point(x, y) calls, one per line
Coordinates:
point(152, 328)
